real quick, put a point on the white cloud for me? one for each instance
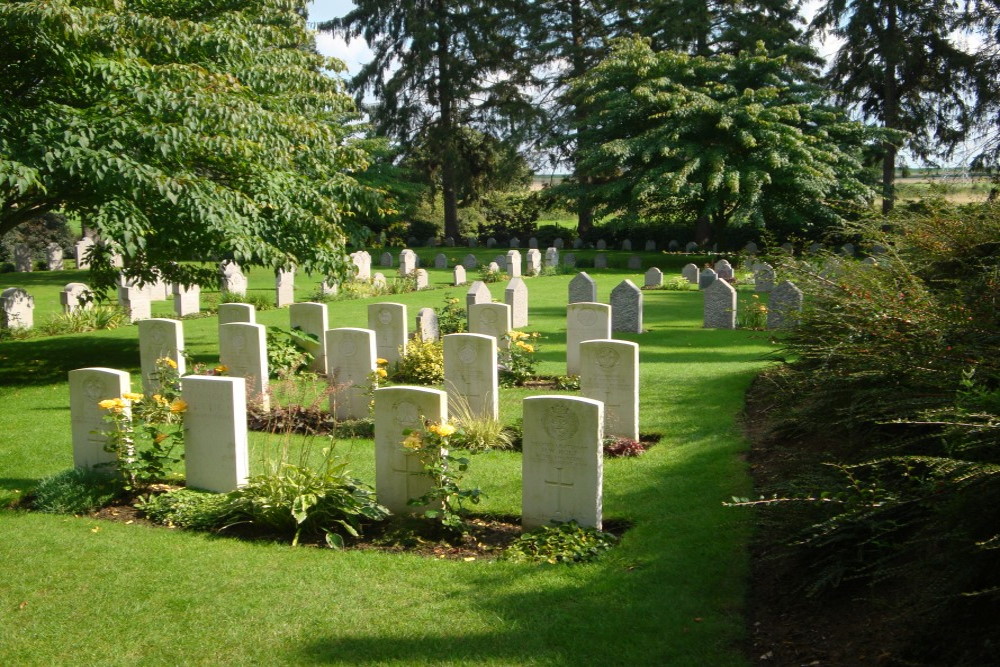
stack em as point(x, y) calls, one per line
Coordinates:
point(354, 54)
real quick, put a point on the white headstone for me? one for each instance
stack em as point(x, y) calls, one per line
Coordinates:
point(87, 387)
point(691, 273)
point(582, 288)
point(626, 308)
point(216, 456)
point(515, 295)
point(399, 475)
point(514, 263)
point(584, 321)
point(350, 362)
point(231, 279)
point(243, 350)
point(470, 374)
point(284, 288)
point(237, 312)
point(562, 461)
point(74, 297)
point(386, 260)
point(134, 299)
point(54, 257)
point(378, 280)
point(534, 266)
point(490, 319)
point(329, 287)
point(458, 275)
point(187, 300)
point(440, 261)
point(82, 252)
point(609, 372)
point(478, 292)
point(470, 262)
point(427, 325)
point(724, 270)
point(551, 257)
point(493, 267)
point(158, 338)
point(654, 277)
point(407, 262)
point(784, 306)
point(362, 265)
point(763, 277)
point(719, 306)
point(423, 280)
point(312, 318)
point(388, 321)
point(23, 258)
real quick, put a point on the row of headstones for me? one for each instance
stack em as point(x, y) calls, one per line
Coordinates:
point(562, 476)
point(846, 250)
point(626, 301)
point(24, 260)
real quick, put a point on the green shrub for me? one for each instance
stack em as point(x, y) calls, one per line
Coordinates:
point(519, 359)
point(452, 317)
point(488, 275)
point(752, 314)
point(75, 491)
point(285, 353)
point(560, 543)
point(187, 508)
point(423, 363)
point(93, 319)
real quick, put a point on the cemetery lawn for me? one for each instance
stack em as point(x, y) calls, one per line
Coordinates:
point(80, 590)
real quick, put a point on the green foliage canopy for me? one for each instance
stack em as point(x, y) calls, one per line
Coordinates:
point(724, 140)
point(179, 130)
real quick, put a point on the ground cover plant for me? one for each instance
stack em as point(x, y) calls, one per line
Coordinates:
point(683, 559)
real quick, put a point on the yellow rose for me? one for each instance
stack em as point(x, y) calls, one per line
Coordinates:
point(412, 441)
point(169, 362)
point(221, 368)
point(179, 405)
point(132, 396)
point(108, 403)
point(381, 362)
point(444, 430)
point(381, 373)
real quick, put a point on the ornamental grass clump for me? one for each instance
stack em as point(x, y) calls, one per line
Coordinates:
point(145, 432)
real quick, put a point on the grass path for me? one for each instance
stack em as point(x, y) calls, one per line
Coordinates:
point(81, 591)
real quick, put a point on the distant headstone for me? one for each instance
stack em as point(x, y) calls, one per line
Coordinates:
point(635, 262)
point(440, 261)
point(706, 278)
point(431, 242)
point(423, 280)
point(534, 265)
point(411, 240)
point(350, 362)
point(458, 275)
point(493, 267)
point(187, 300)
point(650, 245)
point(284, 287)
point(243, 350)
point(470, 262)
point(159, 338)
point(869, 261)
point(17, 309)
point(501, 262)
point(311, 318)
point(478, 292)
point(449, 241)
point(407, 262)
point(582, 288)
point(87, 387)
point(362, 265)
point(76, 296)
point(654, 277)
point(427, 325)
point(329, 287)
point(515, 295)
point(22, 258)
point(514, 242)
point(562, 461)
point(847, 250)
point(551, 257)
point(673, 246)
point(378, 280)
point(584, 321)
point(719, 305)
point(784, 306)
point(724, 270)
point(399, 475)
point(609, 372)
point(471, 241)
point(82, 252)
point(750, 248)
point(691, 247)
point(763, 277)
point(533, 242)
point(491, 242)
point(388, 321)
point(558, 244)
point(159, 290)
point(231, 278)
point(216, 454)
point(569, 260)
point(627, 245)
point(787, 248)
point(626, 308)
point(386, 259)
point(600, 261)
point(134, 300)
point(470, 374)
point(514, 263)
point(815, 248)
point(237, 312)
point(602, 244)
point(577, 243)
point(490, 319)
point(54, 257)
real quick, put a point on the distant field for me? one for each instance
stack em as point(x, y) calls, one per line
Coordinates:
point(955, 188)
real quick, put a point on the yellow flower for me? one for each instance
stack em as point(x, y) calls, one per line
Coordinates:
point(381, 372)
point(381, 362)
point(412, 441)
point(169, 362)
point(443, 430)
point(516, 335)
point(132, 396)
point(754, 296)
point(221, 368)
point(111, 404)
point(160, 437)
point(179, 405)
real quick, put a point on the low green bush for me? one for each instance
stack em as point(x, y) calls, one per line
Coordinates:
point(560, 543)
point(423, 363)
point(187, 508)
point(75, 491)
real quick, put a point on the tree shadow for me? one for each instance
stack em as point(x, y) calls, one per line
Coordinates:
point(41, 361)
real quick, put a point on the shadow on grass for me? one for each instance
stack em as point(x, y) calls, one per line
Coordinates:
point(40, 361)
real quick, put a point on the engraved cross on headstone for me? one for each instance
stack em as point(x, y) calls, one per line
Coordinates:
point(558, 484)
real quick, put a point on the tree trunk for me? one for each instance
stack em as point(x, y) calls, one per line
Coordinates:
point(446, 102)
point(584, 209)
point(890, 109)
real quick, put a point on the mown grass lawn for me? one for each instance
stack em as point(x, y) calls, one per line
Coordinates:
point(75, 590)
